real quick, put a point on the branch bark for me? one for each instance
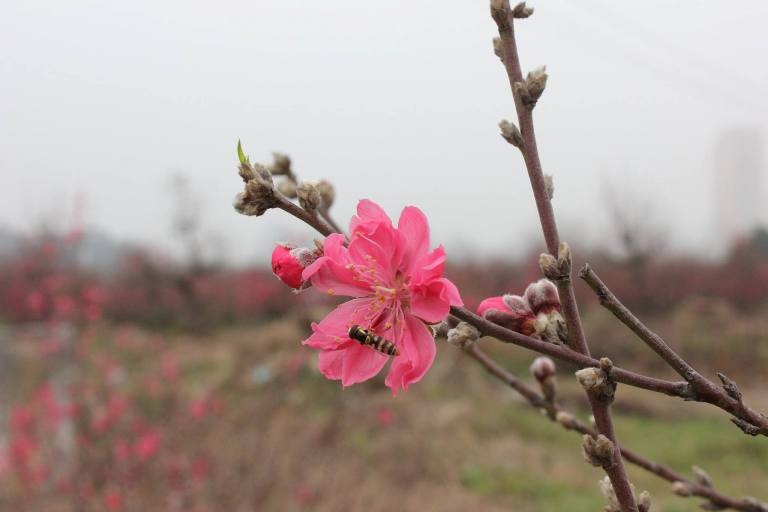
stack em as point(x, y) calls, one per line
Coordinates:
point(502, 15)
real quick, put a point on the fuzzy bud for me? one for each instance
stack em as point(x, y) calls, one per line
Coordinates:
point(596, 382)
point(522, 11)
point(258, 197)
point(463, 335)
point(288, 263)
point(557, 269)
point(309, 196)
point(543, 368)
point(536, 82)
point(246, 172)
point(682, 489)
point(566, 420)
point(730, 387)
point(327, 193)
point(511, 133)
point(702, 477)
point(281, 165)
point(288, 188)
point(606, 489)
point(644, 502)
point(497, 49)
point(549, 186)
point(500, 13)
point(598, 451)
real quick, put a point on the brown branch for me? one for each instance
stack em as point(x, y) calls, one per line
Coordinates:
point(502, 15)
point(538, 401)
point(566, 354)
point(727, 397)
point(300, 213)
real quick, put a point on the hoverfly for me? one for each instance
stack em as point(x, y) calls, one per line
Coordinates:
point(376, 342)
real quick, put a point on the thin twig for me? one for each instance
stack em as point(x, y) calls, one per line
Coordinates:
point(537, 400)
point(726, 397)
point(566, 354)
point(297, 211)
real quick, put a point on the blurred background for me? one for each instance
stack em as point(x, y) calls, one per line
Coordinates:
point(150, 361)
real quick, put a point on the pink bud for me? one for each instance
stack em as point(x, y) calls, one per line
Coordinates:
point(542, 368)
point(288, 263)
point(542, 296)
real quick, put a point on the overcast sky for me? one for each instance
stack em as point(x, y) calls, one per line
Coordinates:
point(395, 100)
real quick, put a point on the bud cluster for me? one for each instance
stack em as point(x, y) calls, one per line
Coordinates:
point(606, 489)
point(599, 451)
point(557, 269)
point(536, 313)
point(530, 90)
point(258, 195)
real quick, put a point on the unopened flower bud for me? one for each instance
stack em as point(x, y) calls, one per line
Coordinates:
point(309, 196)
point(522, 11)
point(497, 50)
point(596, 382)
point(500, 13)
point(288, 263)
point(566, 420)
point(644, 502)
point(281, 165)
point(257, 198)
point(463, 335)
point(262, 174)
point(557, 269)
point(549, 186)
point(542, 296)
point(511, 133)
point(288, 189)
point(327, 193)
point(598, 451)
point(542, 368)
point(246, 172)
point(682, 489)
point(521, 91)
point(535, 82)
point(702, 477)
point(239, 202)
point(606, 489)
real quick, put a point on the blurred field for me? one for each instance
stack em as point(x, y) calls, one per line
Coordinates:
point(163, 386)
point(284, 438)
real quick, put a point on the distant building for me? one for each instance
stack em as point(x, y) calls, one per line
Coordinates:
point(739, 194)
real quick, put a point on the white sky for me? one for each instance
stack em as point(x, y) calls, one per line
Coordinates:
point(395, 100)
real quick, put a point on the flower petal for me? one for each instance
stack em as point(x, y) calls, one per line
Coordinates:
point(414, 227)
point(417, 352)
point(330, 363)
point(360, 364)
point(332, 332)
point(432, 301)
point(332, 272)
point(495, 303)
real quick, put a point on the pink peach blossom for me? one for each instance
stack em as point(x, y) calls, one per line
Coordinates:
point(398, 287)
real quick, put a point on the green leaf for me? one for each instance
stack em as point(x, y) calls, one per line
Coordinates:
point(241, 154)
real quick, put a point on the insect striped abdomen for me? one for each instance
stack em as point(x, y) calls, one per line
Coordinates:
point(376, 342)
